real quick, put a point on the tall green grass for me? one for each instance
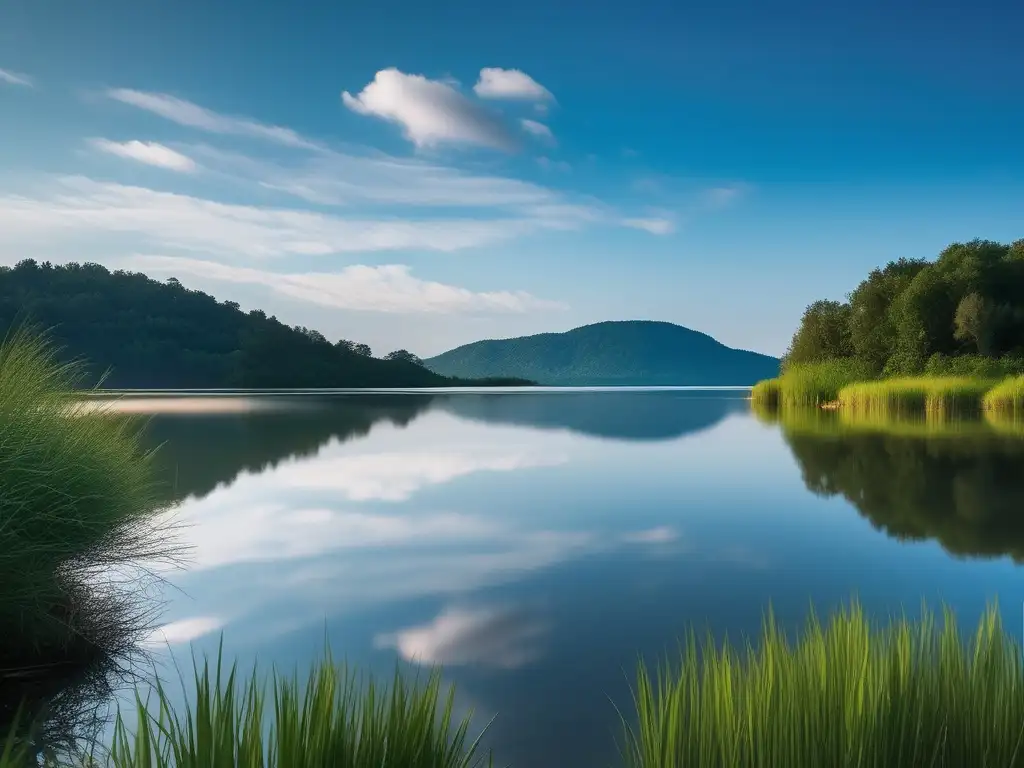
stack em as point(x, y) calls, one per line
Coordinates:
point(845, 694)
point(77, 505)
point(942, 397)
point(332, 719)
point(808, 384)
point(1006, 398)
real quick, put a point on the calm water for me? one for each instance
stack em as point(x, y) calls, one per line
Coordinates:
point(535, 544)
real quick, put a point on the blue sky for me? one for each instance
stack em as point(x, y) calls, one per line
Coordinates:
point(421, 175)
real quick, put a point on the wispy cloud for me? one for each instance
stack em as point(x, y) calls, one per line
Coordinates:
point(389, 288)
point(148, 152)
point(178, 221)
point(498, 83)
point(654, 225)
point(193, 116)
point(720, 197)
point(16, 78)
point(431, 112)
point(539, 130)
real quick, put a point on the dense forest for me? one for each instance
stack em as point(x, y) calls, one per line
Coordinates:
point(914, 316)
point(148, 334)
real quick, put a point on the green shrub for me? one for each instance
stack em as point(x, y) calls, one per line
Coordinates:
point(974, 366)
point(846, 694)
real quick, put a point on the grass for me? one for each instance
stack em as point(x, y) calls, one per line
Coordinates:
point(845, 694)
point(939, 397)
point(1006, 398)
point(77, 506)
point(809, 384)
point(330, 719)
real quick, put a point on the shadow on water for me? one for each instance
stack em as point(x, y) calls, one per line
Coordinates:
point(630, 415)
point(201, 451)
point(959, 483)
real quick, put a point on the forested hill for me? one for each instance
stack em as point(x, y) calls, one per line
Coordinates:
point(163, 335)
point(638, 353)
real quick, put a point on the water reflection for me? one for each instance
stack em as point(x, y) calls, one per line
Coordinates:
point(959, 483)
point(637, 415)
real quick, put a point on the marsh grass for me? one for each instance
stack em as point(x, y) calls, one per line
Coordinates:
point(331, 719)
point(1006, 398)
point(845, 694)
point(808, 384)
point(77, 516)
point(940, 397)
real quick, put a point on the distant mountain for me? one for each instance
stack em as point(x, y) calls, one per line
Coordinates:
point(628, 353)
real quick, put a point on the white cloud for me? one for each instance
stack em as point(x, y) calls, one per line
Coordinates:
point(538, 129)
point(495, 637)
point(337, 178)
point(184, 630)
point(388, 288)
point(656, 226)
point(166, 219)
point(663, 534)
point(396, 476)
point(147, 152)
point(498, 83)
point(193, 116)
point(431, 112)
point(16, 78)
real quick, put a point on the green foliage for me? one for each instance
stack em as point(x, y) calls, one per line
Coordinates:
point(1007, 398)
point(975, 366)
point(970, 301)
point(824, 334)
point(162, 335)
point(607, 354)
point(329, 720)
point(845, 694)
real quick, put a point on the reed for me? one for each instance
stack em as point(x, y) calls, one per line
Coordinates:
point(1006, 398)
point(330, 719)
point(938, 397)
point(807, 384)
point(846, 694)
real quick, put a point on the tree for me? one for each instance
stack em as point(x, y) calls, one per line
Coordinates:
point(404, 356)
point(973, 323)
point(872, 332)
point(824, 334)
point(363, 350)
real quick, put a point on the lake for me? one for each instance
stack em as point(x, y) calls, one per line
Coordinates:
point(536, 544)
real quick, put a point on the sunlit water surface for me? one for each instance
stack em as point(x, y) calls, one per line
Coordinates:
point(536, 544)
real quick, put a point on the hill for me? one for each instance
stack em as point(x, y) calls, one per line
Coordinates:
point(157, 335)
point(629, 353)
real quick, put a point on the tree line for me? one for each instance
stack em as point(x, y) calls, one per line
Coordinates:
point(911, 315)
point(143, 333)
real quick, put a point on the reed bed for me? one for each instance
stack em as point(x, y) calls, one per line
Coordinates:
point(940, 397)
point(331, 719)
point(807, 384)
point(1006, 398)
point(846, 694)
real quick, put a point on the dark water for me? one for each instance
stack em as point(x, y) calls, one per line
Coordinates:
point(536, 545)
